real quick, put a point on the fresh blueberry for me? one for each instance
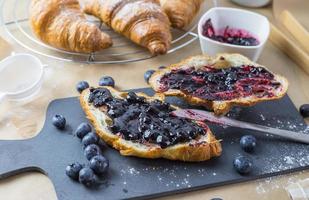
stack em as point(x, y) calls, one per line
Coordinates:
point(148, 74)
point(242, 164)
point(107, 81)
point(91, 151)
point(99, 164)
point(81, 86)
point(304, 110)
point(90, 138)
point(87, 177)
point(162, 67)
point(216, 198)
point(82, 130)
point(59, 122)
point(248, 143)
point(72, 170)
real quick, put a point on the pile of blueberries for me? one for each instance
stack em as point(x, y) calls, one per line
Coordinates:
point(90, 174)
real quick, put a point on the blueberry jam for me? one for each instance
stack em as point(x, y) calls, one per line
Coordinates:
point(229, 35)
point(148, 123)
point(221, 84)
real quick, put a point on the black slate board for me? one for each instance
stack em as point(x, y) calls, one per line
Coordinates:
point(52, 150)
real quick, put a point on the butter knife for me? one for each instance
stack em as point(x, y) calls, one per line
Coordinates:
point(201, 115)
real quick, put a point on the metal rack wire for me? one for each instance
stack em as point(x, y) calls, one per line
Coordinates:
point(16, 24)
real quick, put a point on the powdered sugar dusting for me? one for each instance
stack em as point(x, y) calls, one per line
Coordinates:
point(273, 183)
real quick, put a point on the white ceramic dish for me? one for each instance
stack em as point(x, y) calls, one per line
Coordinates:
point(21, 76)
point(221, 17)
point(253, 3)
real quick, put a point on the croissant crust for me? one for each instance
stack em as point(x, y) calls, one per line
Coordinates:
point(142, 21)
point(62, 24)
point(181, 12)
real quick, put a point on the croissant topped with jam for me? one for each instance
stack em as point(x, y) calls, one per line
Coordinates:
point(220, 82)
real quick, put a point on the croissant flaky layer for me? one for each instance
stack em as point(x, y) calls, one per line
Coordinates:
point(62, 24)
point(142, 21)
point(181, 12)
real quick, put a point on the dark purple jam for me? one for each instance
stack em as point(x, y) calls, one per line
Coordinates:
point(221, 84)
point(135, 119)
point(229, 35)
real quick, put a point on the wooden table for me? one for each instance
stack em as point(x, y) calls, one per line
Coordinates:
point(24, 120)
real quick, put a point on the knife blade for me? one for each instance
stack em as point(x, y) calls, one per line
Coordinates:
point(201, 115)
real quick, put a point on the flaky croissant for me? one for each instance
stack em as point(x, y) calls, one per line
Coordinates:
point(142, 21)
point(62, 24)
point(181, 12)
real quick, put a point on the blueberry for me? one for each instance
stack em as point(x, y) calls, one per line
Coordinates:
point(82, 130)
point(216, 198)
point(99, 164)
point(91, 151)
point(72, 170)
point(248, 143)
point(59, 122)
point(162, 67)
point(107, 81)
point(87, 177)
point(81, 86)
point(148, 74)
point(304, 110)
point(90, 138)
point(162, 141)
point(242, 164)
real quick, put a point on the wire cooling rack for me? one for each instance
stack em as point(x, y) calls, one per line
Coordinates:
point(15, 20)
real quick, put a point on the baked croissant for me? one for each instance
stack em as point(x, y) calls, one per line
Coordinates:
point(62, 24)
point(142, 21)
point(181, 12)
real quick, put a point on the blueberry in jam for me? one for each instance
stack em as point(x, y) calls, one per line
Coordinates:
point(136, 119)
point(231, 36)
point(221, 84)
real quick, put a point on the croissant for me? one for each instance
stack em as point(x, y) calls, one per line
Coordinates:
point(62, 24)
point(181, 12)
point(142, 21)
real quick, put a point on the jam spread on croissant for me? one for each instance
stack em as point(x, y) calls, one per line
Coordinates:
point(135, 119)
point(229, 35)
point(221, 84)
